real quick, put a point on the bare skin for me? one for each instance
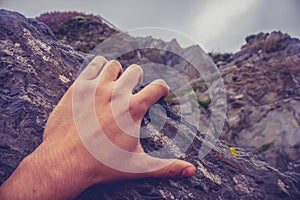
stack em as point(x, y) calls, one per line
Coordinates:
point(62, 167)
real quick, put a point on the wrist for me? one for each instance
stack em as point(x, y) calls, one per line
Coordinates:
point(59, 171)
point(46, 174)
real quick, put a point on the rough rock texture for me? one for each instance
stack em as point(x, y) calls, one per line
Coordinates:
point(36, 69)
point(223, 174)
point(262, 83)
point(82, 32)
point(263, 94)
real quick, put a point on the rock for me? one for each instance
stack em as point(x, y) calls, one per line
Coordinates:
point(225, 173)
point(263, 99)
point(82, 32)
point(260, 78)
point(36, 69)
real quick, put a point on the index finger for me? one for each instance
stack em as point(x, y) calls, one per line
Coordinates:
point(149, 95)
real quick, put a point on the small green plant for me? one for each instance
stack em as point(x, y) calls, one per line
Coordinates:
point(204, 103)
point(170, 97)
point(182, 92)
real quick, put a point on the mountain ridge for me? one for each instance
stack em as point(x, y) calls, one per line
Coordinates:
point(272, 59)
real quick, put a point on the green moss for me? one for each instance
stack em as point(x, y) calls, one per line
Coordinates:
point(170, 97)
point(204, 103)
point(183, 92)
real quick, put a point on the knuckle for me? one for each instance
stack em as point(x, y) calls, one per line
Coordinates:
point(136, 67)
point(162, 85)
point(132, 110)
point(96, 60)
point(115, 67)
point(136, 109)
point(104, 90)
point(99, 57)
point(169, 171)
point(161, 82)
point(82, 87)
point(116, 63)
point(93, 63)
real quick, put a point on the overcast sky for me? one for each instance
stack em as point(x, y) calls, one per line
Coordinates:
point(217, 25)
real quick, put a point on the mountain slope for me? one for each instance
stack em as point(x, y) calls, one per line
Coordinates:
point(263, 94)
point(35, 71)
point(261, 82)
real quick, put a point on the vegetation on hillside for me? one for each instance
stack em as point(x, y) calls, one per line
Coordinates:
point(82, 31)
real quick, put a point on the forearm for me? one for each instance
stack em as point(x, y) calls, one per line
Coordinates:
point(26, 182)
point(39, 177)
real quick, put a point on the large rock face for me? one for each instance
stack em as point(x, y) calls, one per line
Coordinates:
point(261, 81)
point(36, 70)
point(263, 93)
point(82, 32)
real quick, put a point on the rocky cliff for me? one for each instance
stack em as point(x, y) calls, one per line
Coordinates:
point(261, 82)
point(263, 93)
point(82, 32)
point(36, 69)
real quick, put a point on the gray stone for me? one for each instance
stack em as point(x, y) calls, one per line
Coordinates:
point(36, 70)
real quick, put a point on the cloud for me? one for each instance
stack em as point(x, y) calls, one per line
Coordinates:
point(218, 25)
point(223, 25)
point(218, 19)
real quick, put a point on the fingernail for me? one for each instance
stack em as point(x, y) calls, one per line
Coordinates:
point(188, 171)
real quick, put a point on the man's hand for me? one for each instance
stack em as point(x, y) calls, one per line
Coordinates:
point(92, 136)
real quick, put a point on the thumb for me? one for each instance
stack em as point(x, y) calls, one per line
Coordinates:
point(173, 168)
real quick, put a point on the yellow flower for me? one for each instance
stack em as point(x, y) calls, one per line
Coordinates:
point(233, 151)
